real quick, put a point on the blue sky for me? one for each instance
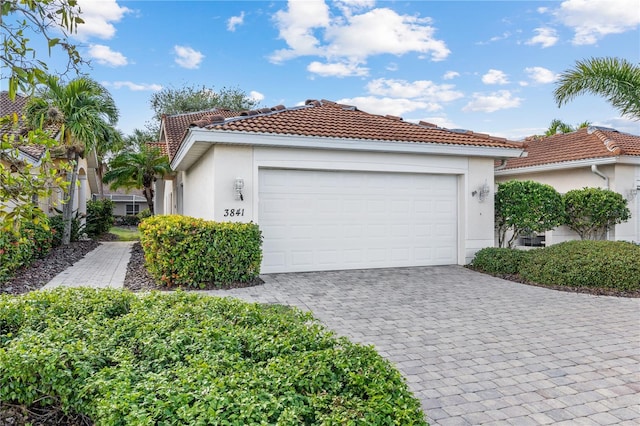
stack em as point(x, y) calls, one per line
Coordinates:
point(487, 66)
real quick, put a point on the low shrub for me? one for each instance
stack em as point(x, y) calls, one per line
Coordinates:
point(128, 220)
point(144, 214)
point(185, 359)
point(56, 223)
point(99, 217)
point(499, 261)
point(596, 264)
point(182, 250)
point(17, 249)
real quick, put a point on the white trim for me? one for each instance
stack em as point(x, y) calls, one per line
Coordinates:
point(198, 141)
point(569, 165)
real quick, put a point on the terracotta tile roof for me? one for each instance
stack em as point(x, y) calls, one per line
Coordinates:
point(161, 145)
point(174, 127)
point(583, 144)
point(321, 119)
point(16, 106)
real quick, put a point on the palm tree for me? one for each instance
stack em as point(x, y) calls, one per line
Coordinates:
point(138, 170)
point(83, 109)
point(615, 79)
point(558, 126)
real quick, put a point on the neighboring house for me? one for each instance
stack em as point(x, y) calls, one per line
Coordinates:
point(333, 187)
point(589, 157)
point(33, 155)
point(126, 202)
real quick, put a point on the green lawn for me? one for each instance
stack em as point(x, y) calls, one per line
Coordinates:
point(128, 233)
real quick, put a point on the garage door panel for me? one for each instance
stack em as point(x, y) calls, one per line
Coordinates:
point(324, 220)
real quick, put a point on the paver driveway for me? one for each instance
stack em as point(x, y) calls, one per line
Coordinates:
point(480, 350)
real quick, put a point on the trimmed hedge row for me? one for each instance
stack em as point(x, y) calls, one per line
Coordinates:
point(181, 250)
point(594, 264)
point(185, 359)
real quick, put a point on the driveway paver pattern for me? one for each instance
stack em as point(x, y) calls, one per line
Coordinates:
point(480, 350)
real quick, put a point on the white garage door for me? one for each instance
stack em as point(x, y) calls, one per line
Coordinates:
point(328, 220)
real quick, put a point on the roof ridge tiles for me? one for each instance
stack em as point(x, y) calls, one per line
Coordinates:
point(610, 144)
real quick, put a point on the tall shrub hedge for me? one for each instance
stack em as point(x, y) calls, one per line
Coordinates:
point(186, 251)
point(99, 216)
point(32, 241)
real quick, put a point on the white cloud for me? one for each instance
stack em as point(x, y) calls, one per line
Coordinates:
point(591, 20)
point(234, 21)
point(187, 57)
point(99, 17)
point(450, 75)
point(134, 87)
point(256, 96)
point(386, 106)
point(105, 56)
point(337, 69)
point(545, 37)
point(423, 90)
point(495, 77)
point(392, 67)
point(541, 75)
point(346, 35)
point(502, 99)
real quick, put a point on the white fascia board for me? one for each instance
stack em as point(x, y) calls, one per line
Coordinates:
point(198, 141)
point(569, 165)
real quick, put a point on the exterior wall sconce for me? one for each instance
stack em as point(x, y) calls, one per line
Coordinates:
point(632, 193)
point(238, 186)
point(482, 192)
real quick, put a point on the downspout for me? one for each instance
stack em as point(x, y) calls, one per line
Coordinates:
point(503, 164)
point(594, 169)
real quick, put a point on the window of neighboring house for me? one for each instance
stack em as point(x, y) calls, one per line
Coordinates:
point(532, 241)
point(132, 209)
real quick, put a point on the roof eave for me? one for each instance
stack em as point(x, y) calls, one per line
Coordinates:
point(587, 162)
point(198, 141)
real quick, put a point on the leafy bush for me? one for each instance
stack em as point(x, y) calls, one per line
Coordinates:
point(181, 250)
point(144, 214)
point(592, 211)
point(128, 220)
point(598, 264)
point(188, 359)
point(525, 207)
point(56, 223)
point(99, 217)
point(32, 241)
point(499, 261)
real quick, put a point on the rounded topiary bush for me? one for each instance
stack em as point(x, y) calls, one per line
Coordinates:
point(595, 264)
point(499, 261)
point(117, 358)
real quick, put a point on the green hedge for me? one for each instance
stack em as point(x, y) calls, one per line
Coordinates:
point(598, 264)
point(184, 359)
point(17, 249)
point(99, 217)
point(182, 250)
point(499, 261)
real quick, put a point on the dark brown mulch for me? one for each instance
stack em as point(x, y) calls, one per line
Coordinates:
point(596, 291)
point(11, 414)
point(138, 279)
point(40, 272)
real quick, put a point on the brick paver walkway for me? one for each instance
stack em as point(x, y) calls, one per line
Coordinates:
point(480, 350)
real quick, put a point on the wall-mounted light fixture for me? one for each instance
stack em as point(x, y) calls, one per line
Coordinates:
point(482, 192)
point(632, 193)
point(238, 186)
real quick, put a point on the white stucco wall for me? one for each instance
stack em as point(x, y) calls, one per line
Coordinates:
point(622, 178)
point(209, 183)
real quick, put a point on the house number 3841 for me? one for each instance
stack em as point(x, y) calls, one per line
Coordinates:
point(233, 212)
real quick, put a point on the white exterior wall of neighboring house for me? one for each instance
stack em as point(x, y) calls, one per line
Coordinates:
point(209, 183)
point(621, 178)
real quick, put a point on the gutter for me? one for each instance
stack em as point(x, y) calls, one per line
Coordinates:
point(594, 169)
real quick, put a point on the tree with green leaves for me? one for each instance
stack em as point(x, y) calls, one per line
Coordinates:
point(615, 79)
point(559, 126)
point(52, 20)
point(591, 212)
point(84, 110)
point(138, 170)
point(525, 207)
point(171, 101)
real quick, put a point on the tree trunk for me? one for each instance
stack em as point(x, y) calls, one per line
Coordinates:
point(148, 194)
point(100, 175)
point(67, 208)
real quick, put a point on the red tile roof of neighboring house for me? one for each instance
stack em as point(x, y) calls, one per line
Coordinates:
point(161, 145)
point(583, 144)
point(325, 119)
point(16, 106)
point(174, 127)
